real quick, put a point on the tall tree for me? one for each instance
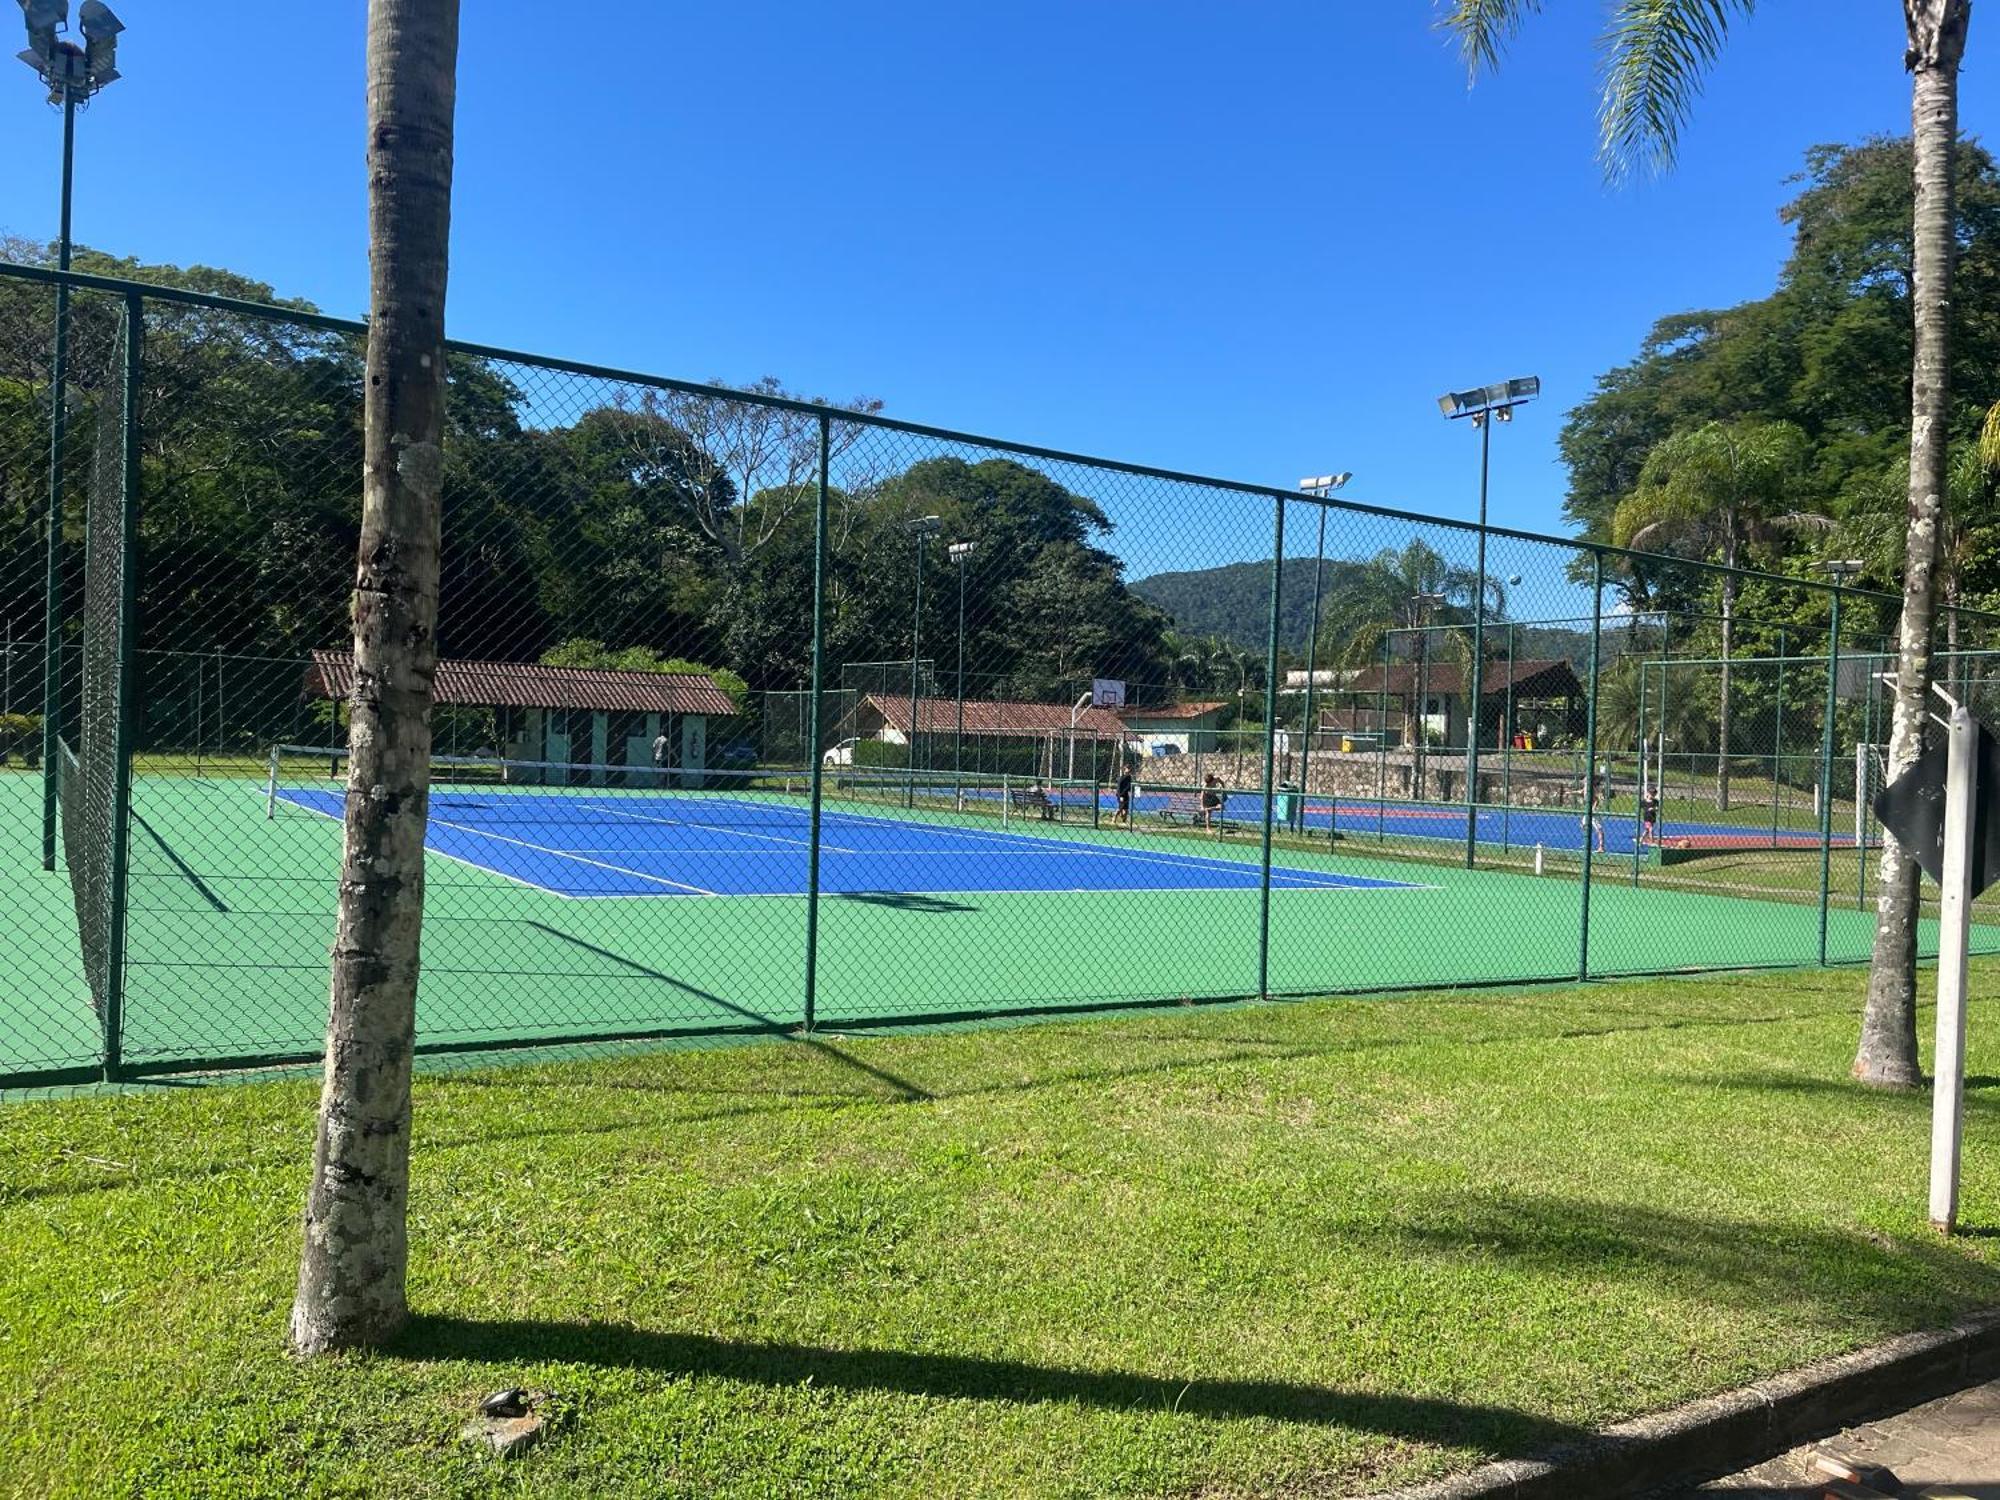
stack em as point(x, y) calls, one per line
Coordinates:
point(1656, 53)
point(1887, 1055)
point(351, 1275)
point(1717, 492)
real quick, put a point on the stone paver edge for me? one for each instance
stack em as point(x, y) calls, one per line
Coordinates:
point(1723, 1433)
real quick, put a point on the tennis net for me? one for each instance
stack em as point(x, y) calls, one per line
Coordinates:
point(311, 780)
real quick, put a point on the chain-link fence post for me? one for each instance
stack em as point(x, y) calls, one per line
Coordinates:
point(1270, 745)
point(128, 598)
point(1590, 823)
point(1475, 687)
point(816, 732)
point(52, 605)
point(1826, 747)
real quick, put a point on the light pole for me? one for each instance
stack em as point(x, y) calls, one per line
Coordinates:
point(72, 74)
point(960, 553)
point(1485, 406)
point(1420, 622)
point(921, 529)
point(1318, 487)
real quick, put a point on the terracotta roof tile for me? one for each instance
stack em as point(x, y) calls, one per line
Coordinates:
point(508, 684)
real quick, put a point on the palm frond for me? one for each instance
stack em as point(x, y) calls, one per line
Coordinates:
point(1484, 28)
point(1656, 52)
point(1989, 439)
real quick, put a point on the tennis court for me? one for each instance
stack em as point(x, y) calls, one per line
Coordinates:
point(751, 836)
point(563, 913)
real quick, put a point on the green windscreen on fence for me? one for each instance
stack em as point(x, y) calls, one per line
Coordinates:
point(754, 714)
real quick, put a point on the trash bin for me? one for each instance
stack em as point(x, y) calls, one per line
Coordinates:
point(1287, 803)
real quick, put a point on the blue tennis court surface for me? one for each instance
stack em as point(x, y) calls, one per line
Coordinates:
point(692, 843)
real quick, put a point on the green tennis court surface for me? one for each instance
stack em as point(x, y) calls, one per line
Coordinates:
point(231, 919)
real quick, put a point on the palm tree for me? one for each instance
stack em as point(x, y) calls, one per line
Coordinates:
point(1656, 52)
point(1415, 589)
point(351, 1288)
point(1715, 492)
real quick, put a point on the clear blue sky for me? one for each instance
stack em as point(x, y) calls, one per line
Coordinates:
point(1250, 240)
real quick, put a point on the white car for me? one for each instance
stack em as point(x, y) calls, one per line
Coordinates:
point(841, 754)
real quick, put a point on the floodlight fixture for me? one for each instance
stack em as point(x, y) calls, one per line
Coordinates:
point(1323, 485)
point(924, 525)
point(1499, 399)
point(960, 552)
point(72, 73)
point(1844, 568)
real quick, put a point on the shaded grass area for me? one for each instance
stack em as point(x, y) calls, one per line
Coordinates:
point(1269, 1249)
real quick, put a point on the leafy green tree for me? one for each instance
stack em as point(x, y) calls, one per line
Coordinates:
point(1656, 52)
point(582, 652)
point(1716, 493)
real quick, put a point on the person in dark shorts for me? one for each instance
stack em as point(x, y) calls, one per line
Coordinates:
point(1125, 795)
point(1649, 816)
point(1211, 799)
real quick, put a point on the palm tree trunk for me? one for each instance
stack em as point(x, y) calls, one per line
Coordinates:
point(1722, 710)
point(351, 1274)
point(1887, 1055)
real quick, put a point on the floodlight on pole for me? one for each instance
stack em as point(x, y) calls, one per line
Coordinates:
point(72, 74)
point(1483, 406)
point(1319, 486)
point(1843, 568)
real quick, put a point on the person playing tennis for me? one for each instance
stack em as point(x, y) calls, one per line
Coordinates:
point(1125, 795)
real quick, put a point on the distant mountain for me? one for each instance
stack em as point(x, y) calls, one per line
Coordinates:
point(1234, 601)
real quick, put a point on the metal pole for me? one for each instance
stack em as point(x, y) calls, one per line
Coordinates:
point(916, 633)
point(958, 734)
point(1590, 764)
point(1778, 743)
point(1382, 746)
point(1639, 810)
point(1312, 671)
point(1954, 937)
point(200, 713)
point(128, 612)
point(52, 609)
point(815, 734)
point(1507, 752)
point(1826, 772)
point(1475, 688)
point(1270, 749)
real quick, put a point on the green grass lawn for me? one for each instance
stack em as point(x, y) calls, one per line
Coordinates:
point(1312, 1247)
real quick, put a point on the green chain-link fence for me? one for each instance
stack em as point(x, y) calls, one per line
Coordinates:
point(755, 714)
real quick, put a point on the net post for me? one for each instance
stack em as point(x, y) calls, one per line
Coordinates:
point(1826, 773)
point(1590, 761)
point(1270, 749)
point(818, 690)
point(128, 594)
point(271, 785)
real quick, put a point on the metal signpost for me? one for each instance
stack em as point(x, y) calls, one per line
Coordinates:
point(1941, 811)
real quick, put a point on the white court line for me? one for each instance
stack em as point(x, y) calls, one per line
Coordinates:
point(289, 800)
point(699, 890)
point(1079, 847)
point(619, 812)
point(1277, 889)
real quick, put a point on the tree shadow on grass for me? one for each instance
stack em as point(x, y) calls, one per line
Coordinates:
point(1490, 1429)
point(1890, 1283)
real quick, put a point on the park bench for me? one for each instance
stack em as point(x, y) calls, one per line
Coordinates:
point(1031, 799)
point(1188, 805)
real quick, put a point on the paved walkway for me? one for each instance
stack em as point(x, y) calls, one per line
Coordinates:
point(1946, 1448)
